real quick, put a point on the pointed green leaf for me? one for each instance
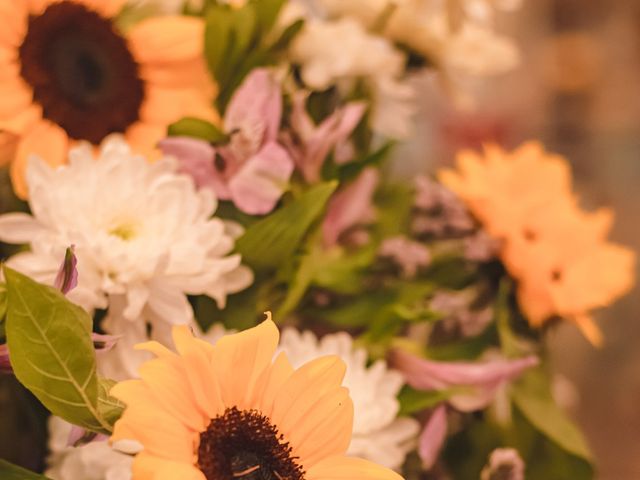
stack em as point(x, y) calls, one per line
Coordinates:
point(110, 408)
point(52, 353)
point(9, 471)
point(267, 12)
point(532, 396)
point(196, 128)
point(269, 242)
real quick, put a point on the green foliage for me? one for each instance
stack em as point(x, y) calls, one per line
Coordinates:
point(267, 12)
point(269, 243)
point(532, 395)
point(414, 401)
point(52, 353)
point(9, 471)
point(236, 42)
point(467, 452)
point(196, 128)
point(351, 170)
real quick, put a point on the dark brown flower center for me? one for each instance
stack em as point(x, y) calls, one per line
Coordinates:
point(244, 445)
point(81, 72)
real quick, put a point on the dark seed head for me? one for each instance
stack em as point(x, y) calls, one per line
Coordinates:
point(81, 71)
point(244, 445)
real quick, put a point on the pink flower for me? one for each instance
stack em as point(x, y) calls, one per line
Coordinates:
point(310, 145)
point(478, 381)
point(350, 207)
point(253, 170)
point(5, 362)
point(481, 379)
point(433, 436)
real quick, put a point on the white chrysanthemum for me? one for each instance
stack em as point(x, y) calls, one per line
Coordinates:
point(93, 461)
point(378, 434)
point(341, 52)
point(144, 236)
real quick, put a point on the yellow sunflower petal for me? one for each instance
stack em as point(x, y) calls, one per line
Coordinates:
point(347, 468)
point(159, 433)
point(240, 359)
point(167, 380)
point(156, 348)
point(306, 385)
point(165, 105)
point(149, 467)
point(144, 137)
point(270, 383)
point(199, 371)
point(106, 8)
point(14, 22)
point(15, 97)
point(190, 73)
point(36, 7)
point(46, 140)
point(167, 39)
point(323, 430)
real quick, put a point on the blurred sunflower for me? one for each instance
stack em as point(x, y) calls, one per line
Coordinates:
point(558, 253)
point(230, 411)
point(69, 74)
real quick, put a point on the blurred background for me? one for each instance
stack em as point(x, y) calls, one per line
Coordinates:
point(578, 90)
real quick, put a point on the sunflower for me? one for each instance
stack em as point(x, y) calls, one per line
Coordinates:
point(69, 74)
point(558, 253)
point(232, 412)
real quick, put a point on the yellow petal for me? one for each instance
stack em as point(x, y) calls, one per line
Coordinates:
point(269, 384)
point(144, 137)
point(589, 329)
point(199, 371)
point(240, 359)
point(14, 22)
point(190, 73)
point(160, 434)
point(167, 39)
point(166, 105)
point(106, 8)
point(149, 467)
point(322, 431)
point(311, 381)
point(46, 140)
point(15, 97)
point(346, 468)
point(166, 379)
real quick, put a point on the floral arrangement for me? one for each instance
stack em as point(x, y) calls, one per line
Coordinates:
point(185, 167)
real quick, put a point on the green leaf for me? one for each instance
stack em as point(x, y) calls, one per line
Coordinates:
point(110, 408)
point(52, 353)
point(269, 242)
point(196, 128)
point(414, 401)
point(532, 395)
point(351, 170)
point(267, 12)
point(217, 37)
point(287, 36)
point(9, 471)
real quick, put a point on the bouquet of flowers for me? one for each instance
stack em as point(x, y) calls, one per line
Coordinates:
point(211, 275)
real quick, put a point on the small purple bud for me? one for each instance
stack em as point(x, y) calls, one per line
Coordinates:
point(67, 277)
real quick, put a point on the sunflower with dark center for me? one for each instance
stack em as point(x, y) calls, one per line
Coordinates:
point(232, 412)
point(68, 74)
